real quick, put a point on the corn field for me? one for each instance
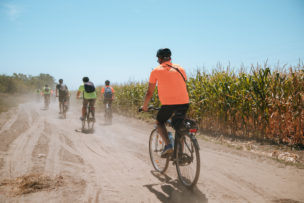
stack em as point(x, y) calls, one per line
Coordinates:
point(264, 104)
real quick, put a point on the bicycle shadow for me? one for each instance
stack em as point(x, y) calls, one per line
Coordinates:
point(105, 124)
point(174, 191)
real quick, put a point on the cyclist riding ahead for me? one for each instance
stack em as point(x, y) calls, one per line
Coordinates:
point(172, 91)
point(108, 95)
point(47, 94)
point(89, 97)
point(62, 92)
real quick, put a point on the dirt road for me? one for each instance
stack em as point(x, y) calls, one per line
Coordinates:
point(113, 165)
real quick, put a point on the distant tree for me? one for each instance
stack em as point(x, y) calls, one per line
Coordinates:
point(21, 83)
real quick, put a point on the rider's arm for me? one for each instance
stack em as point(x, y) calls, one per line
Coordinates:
point(149, 95)
point(113, 93)
point(78, 94)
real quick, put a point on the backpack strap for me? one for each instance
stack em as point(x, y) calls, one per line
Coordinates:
point(178, 71)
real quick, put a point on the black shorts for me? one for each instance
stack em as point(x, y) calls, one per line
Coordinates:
point(91, 102)
point(62, 98)
point(166, 111)
point(47, 96)
point(107, 101)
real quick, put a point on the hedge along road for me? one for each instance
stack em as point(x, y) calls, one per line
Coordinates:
point(113, 164)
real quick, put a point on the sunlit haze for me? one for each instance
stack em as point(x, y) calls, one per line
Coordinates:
point(118, 39)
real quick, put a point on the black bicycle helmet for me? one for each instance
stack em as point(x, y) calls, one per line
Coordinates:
point(85, 79)
point(163, 53)
point(107, 82)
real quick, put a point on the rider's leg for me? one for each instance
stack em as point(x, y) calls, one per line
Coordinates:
point(60, 100)
point(161, 129)
point(45, 100)
point(163, 115)
point(92, 106)
point(177, 119)
point(84, 108)
point(49, 99)
point(66, 103)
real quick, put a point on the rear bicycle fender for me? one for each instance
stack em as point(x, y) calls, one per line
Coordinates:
point(194, 140)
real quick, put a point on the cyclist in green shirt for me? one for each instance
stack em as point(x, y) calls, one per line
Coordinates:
point(89, 96)
point(47, 94)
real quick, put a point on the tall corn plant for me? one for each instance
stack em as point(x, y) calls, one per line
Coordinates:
point(260, 104)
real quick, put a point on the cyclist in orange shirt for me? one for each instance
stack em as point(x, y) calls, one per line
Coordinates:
point(108, 93)
point(172, 91)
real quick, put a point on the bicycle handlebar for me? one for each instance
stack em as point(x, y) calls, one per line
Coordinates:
point(150, 108)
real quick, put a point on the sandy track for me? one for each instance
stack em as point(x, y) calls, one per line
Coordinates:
point(113, 165)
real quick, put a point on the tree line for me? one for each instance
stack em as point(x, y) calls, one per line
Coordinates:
point(21, 83)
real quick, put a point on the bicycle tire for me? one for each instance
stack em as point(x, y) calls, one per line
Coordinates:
point(60, 107)
point(63, 109)
point(90, 120)
point(46, 103)
point(184, 158)
point(155, 154)
point(83, 123)
point(107, 115)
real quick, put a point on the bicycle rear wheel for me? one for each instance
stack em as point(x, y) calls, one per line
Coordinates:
point(64, 111)
point(188, 160)
point(156, 146)
point(60, 106)
point(90, 120)
point(107, 115)
point(83, 123)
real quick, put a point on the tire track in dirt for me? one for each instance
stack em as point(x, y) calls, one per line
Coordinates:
point(16, 125)
point(113, 164)
point(121, 162)
point(20, 150)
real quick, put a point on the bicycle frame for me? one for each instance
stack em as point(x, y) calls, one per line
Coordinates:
point(87, 119)
point(108, 113)
point(185, 156)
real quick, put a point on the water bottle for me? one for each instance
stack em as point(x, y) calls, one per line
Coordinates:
point(171, 138)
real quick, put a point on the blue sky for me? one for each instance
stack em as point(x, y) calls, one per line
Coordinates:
point(118, 39)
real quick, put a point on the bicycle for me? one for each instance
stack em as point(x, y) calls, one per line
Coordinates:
point(89, 120)
point(46, 101)
point(185, 154)
point(108, 114)
point(63, 108)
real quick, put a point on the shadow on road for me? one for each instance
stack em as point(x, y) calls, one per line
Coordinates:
point(173, 191)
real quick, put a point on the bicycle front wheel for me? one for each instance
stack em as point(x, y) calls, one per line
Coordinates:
point(156, 146)
point(107, 116)
point(91, 121)
point(188, 160)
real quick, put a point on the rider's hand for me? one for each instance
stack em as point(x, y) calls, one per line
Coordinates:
point(144, 108)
